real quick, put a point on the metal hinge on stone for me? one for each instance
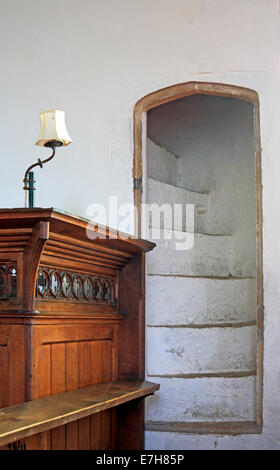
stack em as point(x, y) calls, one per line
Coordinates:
point(137, 184)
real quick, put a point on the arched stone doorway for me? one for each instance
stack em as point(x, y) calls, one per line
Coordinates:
point(171, 94)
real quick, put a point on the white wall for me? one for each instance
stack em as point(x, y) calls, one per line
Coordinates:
point(95, 60)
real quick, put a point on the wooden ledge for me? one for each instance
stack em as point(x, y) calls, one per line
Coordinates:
point(26, 419)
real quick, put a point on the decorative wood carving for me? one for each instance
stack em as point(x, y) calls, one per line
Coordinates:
point(32, 256)
point(17, 445)
point(63, 330)
point(74, 286)
point(8, 280)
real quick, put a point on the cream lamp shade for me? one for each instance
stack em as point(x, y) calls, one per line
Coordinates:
point(53, 131)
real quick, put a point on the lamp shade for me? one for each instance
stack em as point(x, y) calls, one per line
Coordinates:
point(53, 129)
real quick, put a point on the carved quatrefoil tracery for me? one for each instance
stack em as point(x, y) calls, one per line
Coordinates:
point(8, 280)
point(73, 286)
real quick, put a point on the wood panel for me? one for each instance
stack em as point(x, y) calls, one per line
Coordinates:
point(96, 352)
point(57, 372)
point(41, 441)
point(66, 357)
point(131, 332)
point(85, 363)
point(71, 357)
point(58, 438)
point(4, 375)
point(52, 343)
point(95, 432)
point(85, 379)
point(130, 420)
point(12, 364)
point(72, 436)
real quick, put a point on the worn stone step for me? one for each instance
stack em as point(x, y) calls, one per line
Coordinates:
point(161, 164)
point(175, 300)
point(173, 439)
point(162, 193)
point(173, 351)
point(190, 254)
point(204, 399)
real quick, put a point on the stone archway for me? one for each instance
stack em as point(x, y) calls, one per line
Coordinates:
point(183, 90)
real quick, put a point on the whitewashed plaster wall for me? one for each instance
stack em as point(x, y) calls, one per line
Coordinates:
point(95, 60)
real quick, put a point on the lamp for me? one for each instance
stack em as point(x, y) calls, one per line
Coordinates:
point(53, 134)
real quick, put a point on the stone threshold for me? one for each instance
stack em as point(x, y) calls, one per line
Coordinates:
point(205, 427)
point(203, 375)
point(223, 278)
point(208, 325)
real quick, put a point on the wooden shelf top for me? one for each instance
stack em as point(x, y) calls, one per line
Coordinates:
point(26, 419)
point(67, 224)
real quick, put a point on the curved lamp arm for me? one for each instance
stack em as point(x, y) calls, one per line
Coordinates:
point(40, 164)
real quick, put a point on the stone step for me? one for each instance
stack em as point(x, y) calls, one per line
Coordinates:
point(173, 351)
point(190, 254)
point(171, 439)
point(163, 193)
point(173, 300)
point(161, 164)
point(204, 399)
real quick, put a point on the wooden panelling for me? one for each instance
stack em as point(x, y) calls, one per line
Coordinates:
point(95, 432)
point(85, 363)
point(4, 375)
point(130, 421)
point(71, 366)
point(57, 372)
point(96, 351)
point(12, 364)
point(70, 357)
point(39, 383)
point(72, 436)
point(106, 430)
point(84, 433)
point(38, 441)
point(54, 344)
point(131, 333)
point(73, 357)
point(58, 438)
point(14, 240)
